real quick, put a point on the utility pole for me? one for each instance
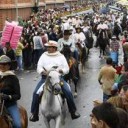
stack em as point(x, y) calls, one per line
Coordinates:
point(37, 1)
point(70, 6)
point(55, 4)
point(16, 6)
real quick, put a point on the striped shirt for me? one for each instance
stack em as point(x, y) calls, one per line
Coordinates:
point(114, 45)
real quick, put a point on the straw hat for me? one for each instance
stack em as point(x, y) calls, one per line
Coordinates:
point(51, 43)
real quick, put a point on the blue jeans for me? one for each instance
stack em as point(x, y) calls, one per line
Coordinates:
point(15, 114)
point(36, 99)
point(106, 97)
point(76, 55)
point(19, 61)
point(27, 57)
point(67, 93)
point(69, 97)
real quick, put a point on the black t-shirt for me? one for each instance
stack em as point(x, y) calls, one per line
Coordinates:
point(11, 54)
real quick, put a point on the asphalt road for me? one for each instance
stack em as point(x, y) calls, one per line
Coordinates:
point(88, 90)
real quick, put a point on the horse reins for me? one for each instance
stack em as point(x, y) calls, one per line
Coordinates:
point(59, 102)
point(2, 108)
point(56, 95)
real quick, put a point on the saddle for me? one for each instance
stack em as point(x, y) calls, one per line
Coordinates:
point(9, 121)
point(5, 115)
point(71, 61)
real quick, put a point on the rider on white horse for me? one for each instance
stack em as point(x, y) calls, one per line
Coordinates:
point(48, 59)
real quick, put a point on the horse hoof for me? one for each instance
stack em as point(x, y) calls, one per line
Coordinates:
point(75, 94)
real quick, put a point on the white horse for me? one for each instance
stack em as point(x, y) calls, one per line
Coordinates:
point(51, 103)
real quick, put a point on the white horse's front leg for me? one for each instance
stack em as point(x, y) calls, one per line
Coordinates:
point(46, 121)
point(58, 122)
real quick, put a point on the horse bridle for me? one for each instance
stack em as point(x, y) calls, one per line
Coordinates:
point(53, 86)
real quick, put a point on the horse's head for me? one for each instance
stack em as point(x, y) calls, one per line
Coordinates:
point(54, 82)
point(66, 51)
point(102, 34)
point(66, 48)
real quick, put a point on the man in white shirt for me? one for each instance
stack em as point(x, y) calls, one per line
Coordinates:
point(79, 37)
point(65, 25)
point(96, 19)
point(65, 40)
point(47, 61)
point(69, 41)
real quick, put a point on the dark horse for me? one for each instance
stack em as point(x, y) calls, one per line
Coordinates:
point(89, 40)
point(73, 65)
point(5, 119)
point(103, 41)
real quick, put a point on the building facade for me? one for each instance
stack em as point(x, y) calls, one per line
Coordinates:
point(11, 9)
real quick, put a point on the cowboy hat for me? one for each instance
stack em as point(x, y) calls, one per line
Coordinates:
point(67, 32)
point(51, 43)
point(4, 59)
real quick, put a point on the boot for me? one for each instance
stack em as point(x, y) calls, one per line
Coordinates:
point(75, 115)
point(34, 118)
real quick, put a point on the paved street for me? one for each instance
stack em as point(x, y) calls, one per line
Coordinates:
point(88, 90)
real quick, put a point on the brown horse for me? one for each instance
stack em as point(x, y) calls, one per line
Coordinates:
point(73, 65)
point(6, 121)
point(82, 56)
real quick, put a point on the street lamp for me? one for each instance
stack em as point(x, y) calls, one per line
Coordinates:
point(16, 6)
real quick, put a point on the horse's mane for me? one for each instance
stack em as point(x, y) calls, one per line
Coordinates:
point(47, 81)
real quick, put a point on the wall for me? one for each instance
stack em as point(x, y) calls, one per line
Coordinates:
point(8, 8)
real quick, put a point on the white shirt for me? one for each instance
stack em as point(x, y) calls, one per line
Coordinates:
point(96, 20)
point(65, 26)
point(48, 60)
point(102, 26)
point(85, 29)
point(69, 42)
point(80, 36)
